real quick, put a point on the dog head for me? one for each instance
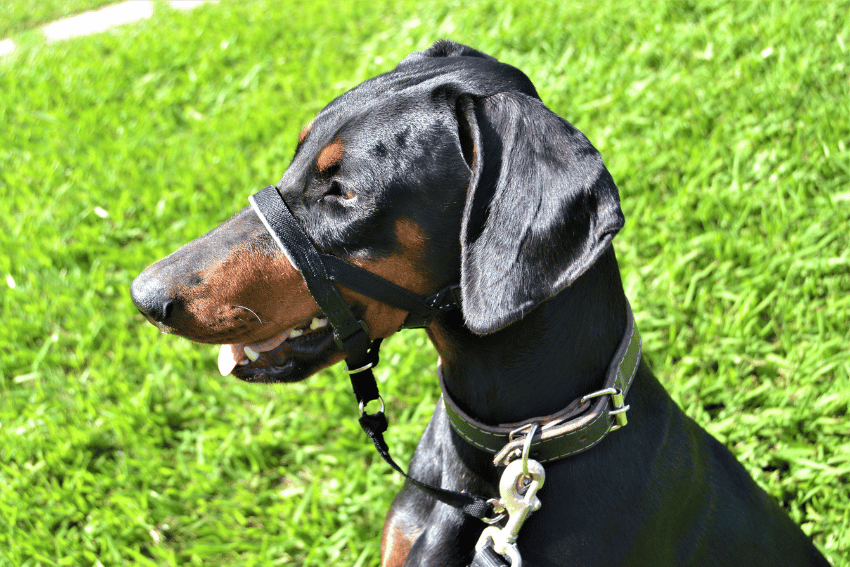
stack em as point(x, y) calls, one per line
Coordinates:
point(448, 168)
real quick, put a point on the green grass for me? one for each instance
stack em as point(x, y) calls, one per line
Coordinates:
point(21, 15)
point(726, 126)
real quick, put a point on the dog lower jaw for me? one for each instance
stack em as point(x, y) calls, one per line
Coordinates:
point(268, 374)
point(232, 355)
point(292, 360)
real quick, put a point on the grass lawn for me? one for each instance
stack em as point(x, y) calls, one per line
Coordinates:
point(17, 16)
point(725, 124)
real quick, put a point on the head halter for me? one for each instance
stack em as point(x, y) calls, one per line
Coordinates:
point(323, 272)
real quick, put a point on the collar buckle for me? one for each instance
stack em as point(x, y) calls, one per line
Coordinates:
point(620, 409)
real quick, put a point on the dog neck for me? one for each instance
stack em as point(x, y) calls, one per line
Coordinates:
point(556, 353)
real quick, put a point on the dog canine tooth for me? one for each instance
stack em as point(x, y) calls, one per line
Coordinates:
point(295, 334)
point(317, 323)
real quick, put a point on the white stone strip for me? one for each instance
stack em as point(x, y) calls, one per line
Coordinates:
point(99, 20)
point(6, 46)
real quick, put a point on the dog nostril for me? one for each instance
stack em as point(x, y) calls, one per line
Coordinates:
point(167, 310)
point(154, 299)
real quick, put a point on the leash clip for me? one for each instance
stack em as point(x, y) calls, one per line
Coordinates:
point(518, 490)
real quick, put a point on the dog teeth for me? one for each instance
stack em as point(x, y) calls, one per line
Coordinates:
point(227, 359)
point(316, 324)
point(244, 362)
point(251, 354)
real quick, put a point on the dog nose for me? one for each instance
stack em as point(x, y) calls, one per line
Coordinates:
point(153, 298)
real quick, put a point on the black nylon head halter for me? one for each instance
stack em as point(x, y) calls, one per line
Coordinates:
point(321, 273)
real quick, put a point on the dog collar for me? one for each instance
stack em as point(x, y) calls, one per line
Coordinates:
point(576, 428)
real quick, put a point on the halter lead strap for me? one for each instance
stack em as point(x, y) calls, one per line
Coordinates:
point(321, 273)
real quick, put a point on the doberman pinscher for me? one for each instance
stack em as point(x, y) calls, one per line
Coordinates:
point(449, 169)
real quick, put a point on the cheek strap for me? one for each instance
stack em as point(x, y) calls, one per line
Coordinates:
point(321, 272)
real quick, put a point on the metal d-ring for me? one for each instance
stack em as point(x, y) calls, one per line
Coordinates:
point(362, 406)
point(499, 511)
point(363, 368)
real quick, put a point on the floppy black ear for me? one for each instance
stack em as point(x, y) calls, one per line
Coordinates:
point(446, 48)
point(540, 208)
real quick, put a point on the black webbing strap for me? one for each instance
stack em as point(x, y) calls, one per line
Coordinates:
point(362, 380)
point(375, 425)
point(422, 309)
point(320, 272)
point(349, 333)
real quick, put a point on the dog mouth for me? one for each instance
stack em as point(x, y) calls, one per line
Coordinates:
point(290, 356)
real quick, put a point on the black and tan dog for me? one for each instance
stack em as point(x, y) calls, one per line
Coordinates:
point(450, 169)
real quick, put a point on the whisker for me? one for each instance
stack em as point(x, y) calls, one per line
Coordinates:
point(252, 312)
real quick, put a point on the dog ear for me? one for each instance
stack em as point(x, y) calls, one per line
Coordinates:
point(540, 207)
point(446, 48)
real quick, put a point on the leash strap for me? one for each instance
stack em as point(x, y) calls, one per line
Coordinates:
point(375, 425)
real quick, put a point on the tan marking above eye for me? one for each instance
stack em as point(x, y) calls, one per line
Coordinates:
point(329, 156)
point(305, 131)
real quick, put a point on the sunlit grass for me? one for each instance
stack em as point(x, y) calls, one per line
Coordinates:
point(725, 125)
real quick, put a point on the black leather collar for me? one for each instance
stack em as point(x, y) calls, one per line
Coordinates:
point(576, 428)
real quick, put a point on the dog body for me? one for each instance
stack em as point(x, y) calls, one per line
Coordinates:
point(447, 169)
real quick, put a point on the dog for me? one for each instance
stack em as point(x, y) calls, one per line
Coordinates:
point(449, 169)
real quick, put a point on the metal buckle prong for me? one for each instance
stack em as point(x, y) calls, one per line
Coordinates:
point(617, 400)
